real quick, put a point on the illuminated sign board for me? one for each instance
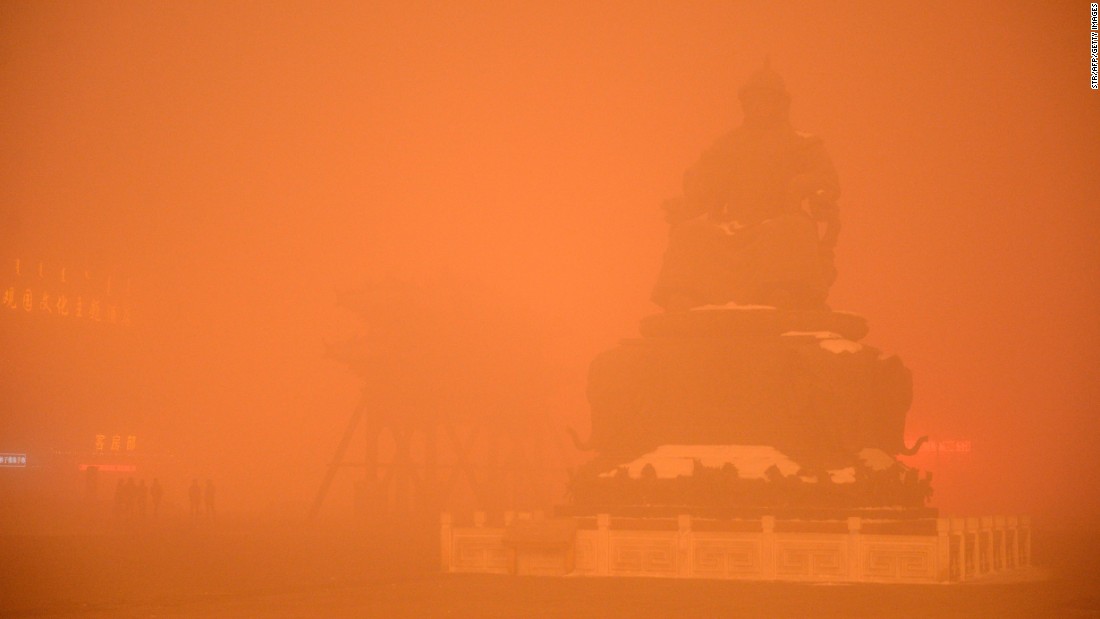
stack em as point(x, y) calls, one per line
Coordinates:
point(116, 442)
point(13, 460)
point(113, 468)
point(64, 292)
point(953, 446)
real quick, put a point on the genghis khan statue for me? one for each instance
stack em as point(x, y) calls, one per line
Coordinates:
point(746, 230)
point(756, 226)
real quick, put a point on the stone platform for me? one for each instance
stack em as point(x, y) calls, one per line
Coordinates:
point(854, 549)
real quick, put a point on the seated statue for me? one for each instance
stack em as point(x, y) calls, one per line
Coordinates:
point(745, 230)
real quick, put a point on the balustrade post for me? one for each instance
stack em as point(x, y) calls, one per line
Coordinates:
point(446, 541)
point(974, 552)
point(684, 561)
point(1025, 528)
point(855, 559)
point(943, 550)
point(986, 547)
point(1001, 545)
point(603, 544)
point(1014, 548)
point(768, 546)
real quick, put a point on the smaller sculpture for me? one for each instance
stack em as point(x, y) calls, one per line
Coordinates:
point(745, 230)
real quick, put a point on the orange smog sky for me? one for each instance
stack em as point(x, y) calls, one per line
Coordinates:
point(243, 162)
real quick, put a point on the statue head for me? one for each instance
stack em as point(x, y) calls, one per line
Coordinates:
point(764, 98)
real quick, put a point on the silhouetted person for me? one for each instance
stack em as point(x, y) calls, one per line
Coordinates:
point(195, 494)
point(120, 500)
point(141, 499)
point(209, 497)
point(129, 498)
point(91, 480)
point(156, 492)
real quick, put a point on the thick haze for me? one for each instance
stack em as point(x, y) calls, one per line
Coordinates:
point(245, 162)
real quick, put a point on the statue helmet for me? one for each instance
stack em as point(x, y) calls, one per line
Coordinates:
point(764, 81)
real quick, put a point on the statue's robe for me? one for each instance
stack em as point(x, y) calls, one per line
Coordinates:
point(740, 234)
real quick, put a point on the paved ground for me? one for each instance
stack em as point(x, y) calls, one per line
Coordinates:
point(485, 596)
point(321, 574)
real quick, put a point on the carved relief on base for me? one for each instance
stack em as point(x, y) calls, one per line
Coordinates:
point(721, 557)
point(641, 554)
point(894, 561)
point(826, 560)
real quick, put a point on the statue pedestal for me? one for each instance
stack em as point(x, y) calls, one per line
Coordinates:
point(746, 444)
point(799, 382)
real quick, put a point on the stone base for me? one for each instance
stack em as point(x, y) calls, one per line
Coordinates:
point(932, 550)
point(798, 381)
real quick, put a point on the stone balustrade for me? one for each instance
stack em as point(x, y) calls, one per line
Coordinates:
point(851, 550)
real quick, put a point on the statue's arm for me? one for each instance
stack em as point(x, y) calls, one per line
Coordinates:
point(817, 182)
point(691, 204)
point(704, 189)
